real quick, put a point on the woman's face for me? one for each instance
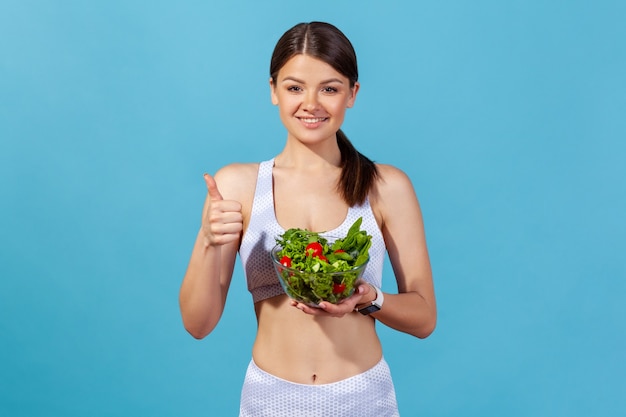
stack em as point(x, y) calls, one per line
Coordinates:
point(312, 98)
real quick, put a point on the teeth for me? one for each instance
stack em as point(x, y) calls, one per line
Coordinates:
point(316, 120)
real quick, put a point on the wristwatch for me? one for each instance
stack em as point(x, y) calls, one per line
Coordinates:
point(374, 305)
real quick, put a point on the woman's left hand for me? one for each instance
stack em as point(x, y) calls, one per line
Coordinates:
point(362, 294)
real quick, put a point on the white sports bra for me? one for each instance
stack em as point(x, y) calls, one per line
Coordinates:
point(263, 228)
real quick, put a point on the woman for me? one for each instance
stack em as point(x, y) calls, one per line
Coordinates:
point(312, 361)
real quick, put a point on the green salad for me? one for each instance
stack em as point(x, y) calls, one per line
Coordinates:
point(313, 269)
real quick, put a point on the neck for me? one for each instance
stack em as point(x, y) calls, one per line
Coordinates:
point(318, 155)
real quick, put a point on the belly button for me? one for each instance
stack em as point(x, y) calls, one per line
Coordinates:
point(314, 377)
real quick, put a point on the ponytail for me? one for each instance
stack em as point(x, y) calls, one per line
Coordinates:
point(358, 172)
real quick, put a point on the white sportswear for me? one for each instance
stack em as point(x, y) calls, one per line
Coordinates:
point(260, 238)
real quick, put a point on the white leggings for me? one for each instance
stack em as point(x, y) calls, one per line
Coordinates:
point(370, 394)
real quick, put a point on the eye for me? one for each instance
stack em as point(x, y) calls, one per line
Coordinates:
point(329, 90)
point(294, 89)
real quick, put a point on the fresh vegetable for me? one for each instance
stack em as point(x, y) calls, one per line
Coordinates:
point(286, 261)
point(314, 249)
point(317, 270)
point(339, 288)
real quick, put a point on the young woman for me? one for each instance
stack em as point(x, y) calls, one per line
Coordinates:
point(308, 361)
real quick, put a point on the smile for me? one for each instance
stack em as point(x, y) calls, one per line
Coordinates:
point(311, 120)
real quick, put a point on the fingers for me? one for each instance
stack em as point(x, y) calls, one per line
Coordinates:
point(326, 309)
point(315, 311)
point(337, 310)
point(211, 186)
point(362, 289)
point(346, 306)
point(219, 239)
point(222, 220)
point(220, 227)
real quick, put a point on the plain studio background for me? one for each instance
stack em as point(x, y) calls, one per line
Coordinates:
point(508, 116)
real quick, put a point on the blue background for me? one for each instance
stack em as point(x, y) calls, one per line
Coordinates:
point(508, 116)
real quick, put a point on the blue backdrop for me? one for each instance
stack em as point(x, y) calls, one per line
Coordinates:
point(508, 116)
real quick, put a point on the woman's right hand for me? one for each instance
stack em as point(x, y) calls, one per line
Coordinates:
point(222, 220)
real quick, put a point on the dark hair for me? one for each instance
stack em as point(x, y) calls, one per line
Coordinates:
point(325, 42)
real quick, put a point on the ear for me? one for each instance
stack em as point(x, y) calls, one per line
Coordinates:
point(353, 91)
point(273, 92)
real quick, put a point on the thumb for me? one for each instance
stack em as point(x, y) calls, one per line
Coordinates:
point(211, 186)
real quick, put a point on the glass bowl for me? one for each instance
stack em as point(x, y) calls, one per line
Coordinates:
point(311, 288)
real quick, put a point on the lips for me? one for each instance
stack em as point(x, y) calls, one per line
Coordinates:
point(312, 120)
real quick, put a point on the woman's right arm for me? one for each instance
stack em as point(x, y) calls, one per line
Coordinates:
point(205, 285)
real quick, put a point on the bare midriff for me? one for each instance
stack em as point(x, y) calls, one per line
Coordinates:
point(308, 349)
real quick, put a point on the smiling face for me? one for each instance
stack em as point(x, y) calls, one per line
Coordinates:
point(312, 98)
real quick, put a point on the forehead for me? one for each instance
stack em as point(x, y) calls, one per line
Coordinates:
point(308, 68)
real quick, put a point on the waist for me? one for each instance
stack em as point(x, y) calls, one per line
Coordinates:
point(313, 350)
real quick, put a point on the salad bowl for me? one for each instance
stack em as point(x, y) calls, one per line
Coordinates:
point(311, 287)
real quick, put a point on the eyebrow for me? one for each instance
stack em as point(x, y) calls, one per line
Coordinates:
point(294, 79)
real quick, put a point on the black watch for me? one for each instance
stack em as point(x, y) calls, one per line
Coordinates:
point(375, 305)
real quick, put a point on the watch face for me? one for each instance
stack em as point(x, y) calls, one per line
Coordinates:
point(369, 309)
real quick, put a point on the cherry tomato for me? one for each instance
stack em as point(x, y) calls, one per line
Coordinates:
point(339, 288)
point(314, 249)
point(285, 261)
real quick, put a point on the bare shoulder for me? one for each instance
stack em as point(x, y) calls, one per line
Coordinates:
point(392, 180)
point(393, 195)
point(237, 181)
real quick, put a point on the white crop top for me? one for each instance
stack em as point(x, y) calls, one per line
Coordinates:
point(263, 228)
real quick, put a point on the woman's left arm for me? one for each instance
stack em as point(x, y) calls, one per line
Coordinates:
point(413, 310)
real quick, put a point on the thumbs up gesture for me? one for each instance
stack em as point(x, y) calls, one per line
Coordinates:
point(222, 220)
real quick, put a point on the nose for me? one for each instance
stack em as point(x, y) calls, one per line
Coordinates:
point(310, 101)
